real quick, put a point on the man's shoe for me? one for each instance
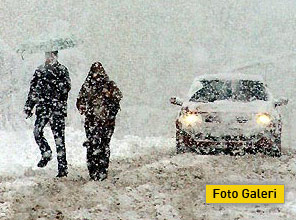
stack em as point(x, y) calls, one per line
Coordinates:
point(103, 176)
point(98, 176)
point(63, 173)
point(86, 144)
point(43, 161)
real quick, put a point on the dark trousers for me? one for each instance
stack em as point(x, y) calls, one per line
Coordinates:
point(98, 149)
point(57, 124)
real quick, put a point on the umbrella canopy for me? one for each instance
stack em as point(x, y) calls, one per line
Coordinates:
point(47, 45)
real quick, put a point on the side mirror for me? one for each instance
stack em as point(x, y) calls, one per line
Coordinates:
point(281, 102)
point(176, 101)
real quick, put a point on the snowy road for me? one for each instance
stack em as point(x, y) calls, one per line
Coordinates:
point(147, 181)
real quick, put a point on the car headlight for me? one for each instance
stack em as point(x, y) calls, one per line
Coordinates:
point(191, 119)
point(263, 119)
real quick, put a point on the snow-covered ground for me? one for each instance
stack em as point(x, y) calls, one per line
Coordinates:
point(147, 180)
point(152, 50)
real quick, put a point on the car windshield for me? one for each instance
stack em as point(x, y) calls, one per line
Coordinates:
point(213, 90)
point(241, 91)
point(247, 91)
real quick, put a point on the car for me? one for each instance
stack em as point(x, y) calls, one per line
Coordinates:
point(231, 113)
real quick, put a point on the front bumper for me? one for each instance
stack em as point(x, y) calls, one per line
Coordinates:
point(215, 135)
point(237, 145)
point(192, 140)
point(239, 139)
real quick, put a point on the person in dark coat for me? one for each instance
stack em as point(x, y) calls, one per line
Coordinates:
point(98, 100)
point(49, 90)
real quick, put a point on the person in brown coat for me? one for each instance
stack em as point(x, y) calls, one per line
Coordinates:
point(98, 100)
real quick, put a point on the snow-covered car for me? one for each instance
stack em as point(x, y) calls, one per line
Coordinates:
point(231, 113)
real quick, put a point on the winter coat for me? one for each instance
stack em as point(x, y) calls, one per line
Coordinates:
point(100, 99)
point(49, 90)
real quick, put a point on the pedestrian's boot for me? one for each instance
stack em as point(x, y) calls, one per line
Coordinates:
point(86, 144)
point(100, 175)
point(103, 176)
point(43, 161)
point(63, 173)
point(62, 170)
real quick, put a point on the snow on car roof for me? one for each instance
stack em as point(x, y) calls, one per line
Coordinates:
point(230, 76)
point(196, 85)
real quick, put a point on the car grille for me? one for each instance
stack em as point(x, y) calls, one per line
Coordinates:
point(212, 119)
point(242, 120)
point(228, 138)
point(226, 118)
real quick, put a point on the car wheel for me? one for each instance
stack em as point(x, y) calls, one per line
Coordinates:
point(185, 143)
point(180, 149)
point(271, 145)
point(181, 143)
point(275, 149)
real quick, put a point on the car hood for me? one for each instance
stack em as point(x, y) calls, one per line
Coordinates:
point(230, 106)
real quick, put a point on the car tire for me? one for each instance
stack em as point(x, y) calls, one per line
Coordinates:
point(180, 145)
point(274, 150)
point(184, 143)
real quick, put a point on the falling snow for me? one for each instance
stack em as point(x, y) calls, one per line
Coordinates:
point(152, 51)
